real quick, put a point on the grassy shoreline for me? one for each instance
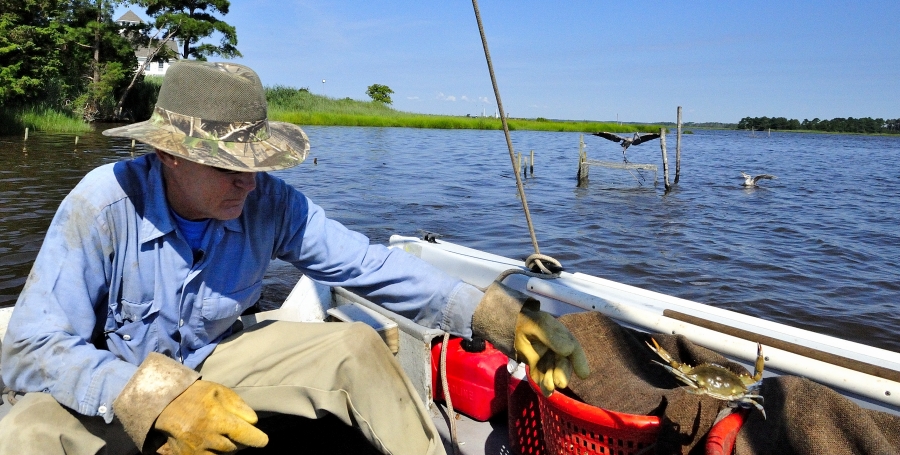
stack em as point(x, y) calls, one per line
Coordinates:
point(332, 112)
point(446, 122)
point(39, 118)
point(301, 107)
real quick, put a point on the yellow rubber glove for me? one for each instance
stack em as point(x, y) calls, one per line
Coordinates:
point(208, 418)
point(550, 350)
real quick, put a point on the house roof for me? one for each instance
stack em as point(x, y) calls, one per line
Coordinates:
point(143, 51)
point(129, 16)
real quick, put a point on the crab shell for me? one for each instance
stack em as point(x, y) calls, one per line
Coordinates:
point(717, 381)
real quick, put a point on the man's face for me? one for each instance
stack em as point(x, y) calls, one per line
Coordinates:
point(197, 192)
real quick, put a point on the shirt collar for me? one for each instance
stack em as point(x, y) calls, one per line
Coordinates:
point(157, 220)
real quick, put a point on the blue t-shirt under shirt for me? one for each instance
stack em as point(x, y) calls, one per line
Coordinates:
point(192, 230)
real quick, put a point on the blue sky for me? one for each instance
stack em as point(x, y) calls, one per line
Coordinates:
point(593, 60)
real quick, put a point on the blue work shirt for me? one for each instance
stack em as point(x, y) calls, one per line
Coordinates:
point(115, 281)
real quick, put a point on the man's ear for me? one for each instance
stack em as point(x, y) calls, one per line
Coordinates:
point(167, 159)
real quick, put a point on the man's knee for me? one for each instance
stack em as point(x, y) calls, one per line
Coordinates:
point(361, 340)
point(39, 424)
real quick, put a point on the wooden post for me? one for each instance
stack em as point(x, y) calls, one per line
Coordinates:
point(582, 175)
point(26, 134)
point(132, 144)
point(678, 150)
point(662, 145)
point(532, 163)
point(76, 141)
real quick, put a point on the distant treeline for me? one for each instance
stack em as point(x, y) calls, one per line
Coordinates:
point(836, 125)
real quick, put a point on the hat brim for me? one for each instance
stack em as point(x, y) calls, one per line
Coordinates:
point(286, 146)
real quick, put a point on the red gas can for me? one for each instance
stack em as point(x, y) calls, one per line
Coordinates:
point(477, 380)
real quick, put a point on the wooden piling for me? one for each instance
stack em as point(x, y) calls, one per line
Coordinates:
point(532, 163)
point(662, 145)
point(583, 168)
point(132, 144)
point(76, 141)
point(26, 134)
point(678, 149)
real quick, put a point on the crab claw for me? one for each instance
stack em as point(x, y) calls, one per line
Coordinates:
point(760, 363)
point(662, 353)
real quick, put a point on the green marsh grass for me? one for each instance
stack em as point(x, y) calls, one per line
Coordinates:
point(299, 106)
point(40, 119)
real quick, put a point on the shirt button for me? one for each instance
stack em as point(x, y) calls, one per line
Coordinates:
point(180, 322)
point(102, 410)
point(126, 337)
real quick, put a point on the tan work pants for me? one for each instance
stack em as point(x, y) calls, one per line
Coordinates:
point(303, 369)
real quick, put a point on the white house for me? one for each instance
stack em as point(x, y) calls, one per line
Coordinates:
point(158, 66)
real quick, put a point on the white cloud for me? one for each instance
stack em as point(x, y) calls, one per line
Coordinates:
point(465, 98)
point(484, 99)
point(414, 98)
point(443, 97)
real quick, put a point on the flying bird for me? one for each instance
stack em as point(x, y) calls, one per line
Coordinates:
point(627, 141)
point(750, 180)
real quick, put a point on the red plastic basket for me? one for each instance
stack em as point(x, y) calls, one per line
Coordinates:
point(723, 434)
point(562, 425)
point(526, 434)
point(571, 427)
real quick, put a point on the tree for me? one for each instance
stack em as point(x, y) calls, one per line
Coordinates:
point(380, 93)
point(141, 37)
point(31, 36)
point(194, 23)
point(99, 58)
point(62, 54)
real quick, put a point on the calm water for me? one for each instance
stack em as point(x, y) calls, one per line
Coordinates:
point(817, 248)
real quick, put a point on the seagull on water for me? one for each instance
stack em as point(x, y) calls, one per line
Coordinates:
point(750, 180)
point(627, 141)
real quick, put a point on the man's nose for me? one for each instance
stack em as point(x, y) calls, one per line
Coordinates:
point(245, 181)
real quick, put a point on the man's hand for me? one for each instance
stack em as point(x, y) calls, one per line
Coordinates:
point(550, 350)
point(208, 418)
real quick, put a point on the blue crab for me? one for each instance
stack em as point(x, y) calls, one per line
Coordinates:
point(740, 390)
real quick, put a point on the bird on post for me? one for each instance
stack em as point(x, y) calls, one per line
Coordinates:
point(750, 180)
point(627, 141)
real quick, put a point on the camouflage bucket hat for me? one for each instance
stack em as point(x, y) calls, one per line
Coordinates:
point(215, 114)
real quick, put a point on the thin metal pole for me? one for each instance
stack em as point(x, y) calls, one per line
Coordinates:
point(509, 145)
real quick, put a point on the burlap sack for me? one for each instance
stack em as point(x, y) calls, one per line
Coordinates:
point(803, 417)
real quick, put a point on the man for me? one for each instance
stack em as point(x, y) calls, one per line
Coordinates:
point(148, 264)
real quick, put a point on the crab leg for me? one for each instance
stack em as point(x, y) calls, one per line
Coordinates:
point(749, 399)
